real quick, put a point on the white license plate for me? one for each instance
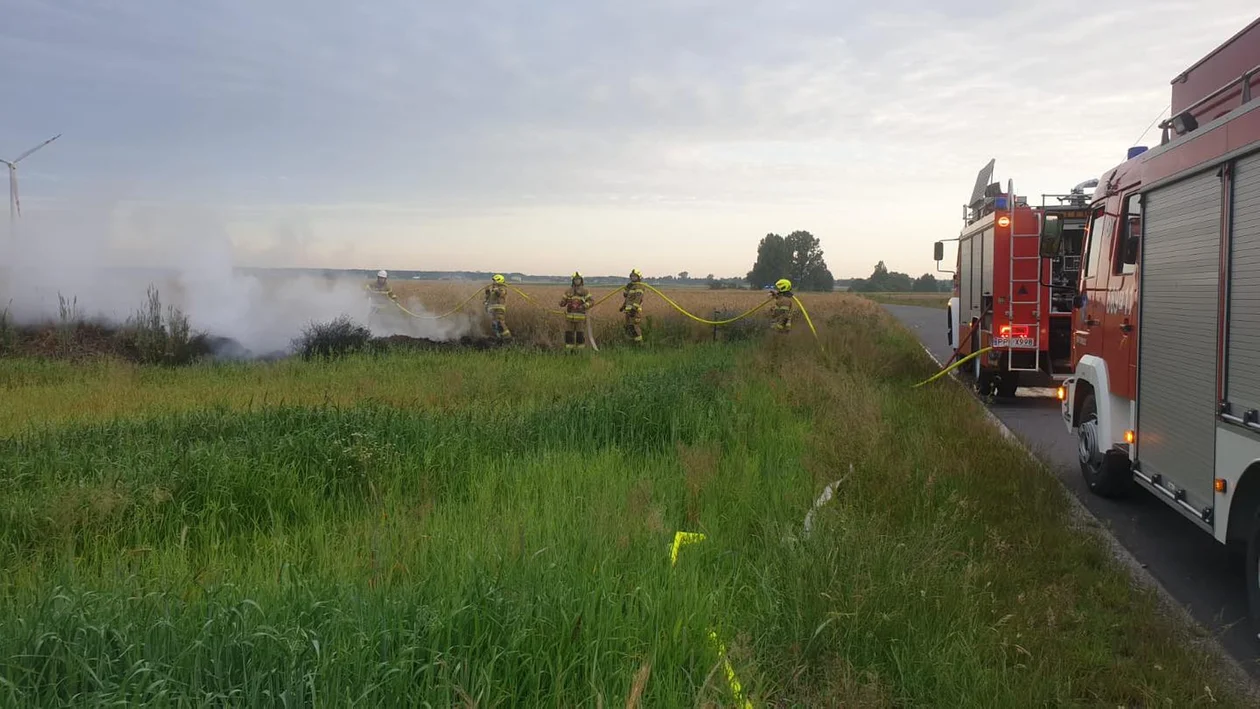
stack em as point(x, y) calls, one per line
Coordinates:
point(1015, 342)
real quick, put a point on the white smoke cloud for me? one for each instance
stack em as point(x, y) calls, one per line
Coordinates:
point(104, 258)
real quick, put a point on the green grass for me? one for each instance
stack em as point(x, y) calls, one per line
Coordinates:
point(493, 529)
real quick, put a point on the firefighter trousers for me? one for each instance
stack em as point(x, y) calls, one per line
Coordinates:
point(574, 331)
point(498, 321)
point(634, 324)
point(781, 322)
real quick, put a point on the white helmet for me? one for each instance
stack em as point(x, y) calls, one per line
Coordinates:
point(382, 274)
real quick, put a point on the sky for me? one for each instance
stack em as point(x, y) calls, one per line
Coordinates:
point(663, 135)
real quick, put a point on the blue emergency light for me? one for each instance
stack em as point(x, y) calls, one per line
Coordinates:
point(1000, 202)
point(1136, 151)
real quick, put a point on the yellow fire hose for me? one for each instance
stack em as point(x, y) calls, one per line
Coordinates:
point(951, 367)
point(448, 313)
point(527, 297)
point(680, 309)
point(808, 321)
point(606, 297)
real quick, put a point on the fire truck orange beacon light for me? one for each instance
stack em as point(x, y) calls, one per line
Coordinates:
point(1004, 221)
point(1219, 485)
point(1061, 392)
point(1130, 437)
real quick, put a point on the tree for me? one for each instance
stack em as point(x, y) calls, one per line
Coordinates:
point(925, 284)
point(798, 257)
point(683, 275)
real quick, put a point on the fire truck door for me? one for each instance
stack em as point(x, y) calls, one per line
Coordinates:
point(1088, 320)
point(1119, 317)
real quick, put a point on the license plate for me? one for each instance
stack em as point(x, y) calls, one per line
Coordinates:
point(1015, 342)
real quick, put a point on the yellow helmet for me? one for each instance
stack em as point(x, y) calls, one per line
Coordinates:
point(498, 278)
point(783, 285)
point(577, 277)
point(635, 275)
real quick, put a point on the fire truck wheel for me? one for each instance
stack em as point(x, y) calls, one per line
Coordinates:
point(1106, 473)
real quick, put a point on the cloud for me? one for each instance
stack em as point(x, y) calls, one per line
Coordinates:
point(691, 126)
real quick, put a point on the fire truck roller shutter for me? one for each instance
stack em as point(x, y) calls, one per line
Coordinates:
point(1242, 379)
point(986, 266)
point(1177, 343)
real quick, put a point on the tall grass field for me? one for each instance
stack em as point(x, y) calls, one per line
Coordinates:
point(494, 529)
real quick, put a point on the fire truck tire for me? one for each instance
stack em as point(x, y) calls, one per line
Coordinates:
point(1253, 574)
point(1106, 473)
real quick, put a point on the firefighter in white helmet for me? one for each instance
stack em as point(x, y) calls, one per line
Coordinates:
point(381, 299)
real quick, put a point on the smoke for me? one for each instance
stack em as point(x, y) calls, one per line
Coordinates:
point(104, 258)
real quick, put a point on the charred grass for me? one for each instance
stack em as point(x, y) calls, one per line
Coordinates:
point(493, 529)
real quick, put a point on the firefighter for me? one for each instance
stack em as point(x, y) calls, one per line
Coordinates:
point(576, 301)
point(380, 298)
point(632, 306)
point(781, 309)
point(496, 306)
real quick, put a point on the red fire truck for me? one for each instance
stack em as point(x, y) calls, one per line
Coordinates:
point(1003, 295)
point(1166, 325)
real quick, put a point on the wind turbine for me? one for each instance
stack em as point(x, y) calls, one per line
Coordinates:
point(15, 205)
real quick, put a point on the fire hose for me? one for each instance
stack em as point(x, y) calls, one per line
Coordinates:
point(950, 365)
point(448, 313)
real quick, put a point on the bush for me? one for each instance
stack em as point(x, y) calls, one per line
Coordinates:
point(152, 339)
point(340, 337)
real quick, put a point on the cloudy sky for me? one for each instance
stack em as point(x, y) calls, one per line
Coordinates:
point(666, 135)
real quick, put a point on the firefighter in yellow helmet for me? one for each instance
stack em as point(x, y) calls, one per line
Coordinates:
point(381, 299)
point(781, 308)
point(496, 306)
point(576, 301)
point(632, 306)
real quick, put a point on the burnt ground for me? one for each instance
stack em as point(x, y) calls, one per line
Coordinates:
point(419, 343)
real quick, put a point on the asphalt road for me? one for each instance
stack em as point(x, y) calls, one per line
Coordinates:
point(1194, 568)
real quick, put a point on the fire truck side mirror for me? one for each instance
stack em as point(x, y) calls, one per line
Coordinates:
point(1051, 235)
point(938, 251)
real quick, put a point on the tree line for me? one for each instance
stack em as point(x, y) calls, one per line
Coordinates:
point(882, 280)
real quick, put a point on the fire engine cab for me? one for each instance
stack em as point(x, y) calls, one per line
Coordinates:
point(1166, 325)
point(1009, 300)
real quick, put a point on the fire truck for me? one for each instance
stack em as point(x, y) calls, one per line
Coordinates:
point(1009, 298)
point(1166, 319)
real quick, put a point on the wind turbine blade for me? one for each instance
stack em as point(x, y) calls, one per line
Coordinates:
point(37, 147)
point(6, 162)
